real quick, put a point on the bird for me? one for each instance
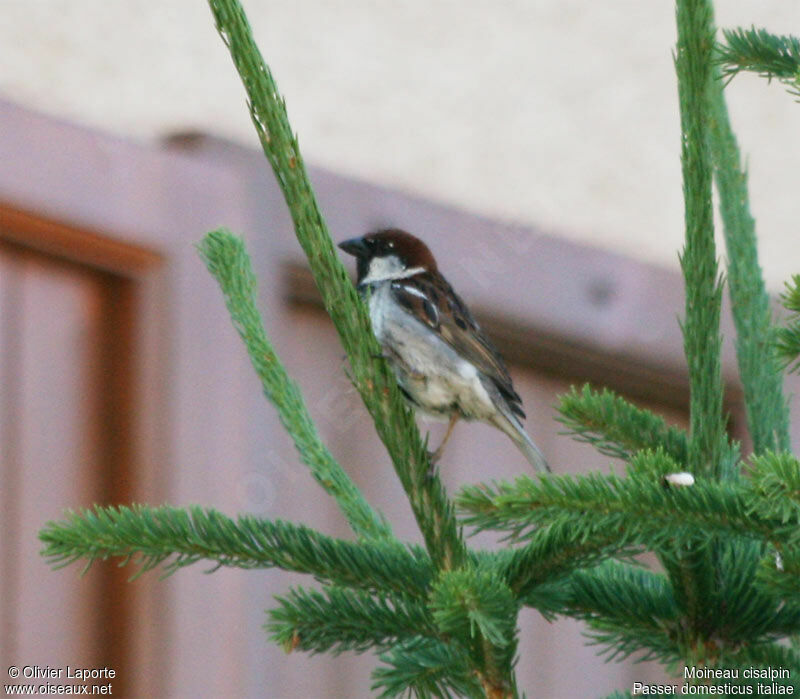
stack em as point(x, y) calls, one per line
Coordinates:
point(445, 365)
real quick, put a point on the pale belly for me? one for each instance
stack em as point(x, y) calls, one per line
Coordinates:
point(435, 378)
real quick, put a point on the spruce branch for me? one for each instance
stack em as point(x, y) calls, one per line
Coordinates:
point(693, 571)
point(569, 541)
point(758, 51)
point(372, 377)
point(702, 341)
point(553, 552)
point(778, 574)
point(639, 510)
point(175, 537)
point(464, 602)
point(776, 477)
point(227, 260)
point(337, 620)
point(628, 610)
point(621, 641)
point(634, 513)
point(765, 405)
point(746, 612)
point(476, 604)
point(549, 599)
point(787, 340)
point(753, 596)
point(426, 667)
point(616, 427)
point(633, 610)
point(623, 593)
point(617, 601)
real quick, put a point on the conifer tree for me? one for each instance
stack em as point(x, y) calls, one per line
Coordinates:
point(442, 619)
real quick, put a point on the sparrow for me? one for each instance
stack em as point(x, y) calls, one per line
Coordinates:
point(445, 365)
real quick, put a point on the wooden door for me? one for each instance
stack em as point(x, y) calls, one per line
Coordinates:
point(68, 406)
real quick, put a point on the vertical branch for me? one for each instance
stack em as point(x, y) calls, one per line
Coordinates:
point(759, 369)
point(373, 379)
point(702, 341)
point(692, 571)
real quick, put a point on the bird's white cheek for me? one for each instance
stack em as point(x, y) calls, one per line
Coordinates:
point(384, 268)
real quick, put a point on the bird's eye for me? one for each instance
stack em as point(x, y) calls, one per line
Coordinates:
point(390, 244)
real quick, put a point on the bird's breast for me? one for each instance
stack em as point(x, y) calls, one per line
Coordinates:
point(430, 371)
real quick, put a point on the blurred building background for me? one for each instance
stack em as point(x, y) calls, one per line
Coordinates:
point(534, 145)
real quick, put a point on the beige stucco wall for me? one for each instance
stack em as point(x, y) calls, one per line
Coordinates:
point(556, 113)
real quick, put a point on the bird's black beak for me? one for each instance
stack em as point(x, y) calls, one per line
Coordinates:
point(354, 246)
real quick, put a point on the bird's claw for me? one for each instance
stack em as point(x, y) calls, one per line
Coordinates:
point(434, 456)
point(433, 459)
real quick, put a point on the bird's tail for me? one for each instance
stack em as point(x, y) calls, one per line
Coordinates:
point(513, 428)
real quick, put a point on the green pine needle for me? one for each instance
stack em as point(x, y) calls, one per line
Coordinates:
point(778, 574)
point(477, 605)
point(336, 620)
point(426, 668)
point(622, 592)
point(627, 611)
point(616, 427)
point(693, 571)
point(228, 261)
point(554, 551)
point(702, 341)
point(787, 340)
point(175, 537)
point(640, 510)
point(776, 477)
point(765, 404)
point(758, 51)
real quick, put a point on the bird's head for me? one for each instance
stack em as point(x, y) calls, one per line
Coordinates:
point(388, 255)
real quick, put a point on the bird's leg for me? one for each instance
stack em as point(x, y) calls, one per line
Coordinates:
point(440, 450)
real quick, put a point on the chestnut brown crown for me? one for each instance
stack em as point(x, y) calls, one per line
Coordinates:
point(410, 250)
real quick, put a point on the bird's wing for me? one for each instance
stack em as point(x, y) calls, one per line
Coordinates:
point(432, 301)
